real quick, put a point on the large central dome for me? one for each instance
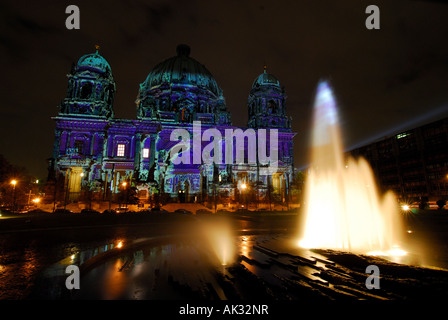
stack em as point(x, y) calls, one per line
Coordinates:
point(182, 69)
point(180, 89)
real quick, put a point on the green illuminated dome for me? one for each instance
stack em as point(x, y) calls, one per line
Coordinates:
point(91, 88)
point(93, 62)
point(265, 79)
point(182, 69)
point(180, 89)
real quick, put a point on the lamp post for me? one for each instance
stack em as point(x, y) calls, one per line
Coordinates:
point(244, 187)
point(124, 184)
point(13, 182)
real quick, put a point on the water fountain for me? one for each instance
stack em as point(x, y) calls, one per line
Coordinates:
point(220, 237)
point(343, 209)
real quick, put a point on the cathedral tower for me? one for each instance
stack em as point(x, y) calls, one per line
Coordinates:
point(267, 103)
point(91, 88)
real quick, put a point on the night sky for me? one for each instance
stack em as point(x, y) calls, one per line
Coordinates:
point(385, 80)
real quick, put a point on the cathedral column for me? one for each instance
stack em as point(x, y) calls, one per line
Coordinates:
point(152, 150)
point(137, 146)
point(56, 145)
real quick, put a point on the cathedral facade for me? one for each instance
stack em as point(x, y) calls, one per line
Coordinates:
point(95, 151)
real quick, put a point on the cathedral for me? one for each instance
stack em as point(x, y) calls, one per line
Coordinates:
point(97, 152)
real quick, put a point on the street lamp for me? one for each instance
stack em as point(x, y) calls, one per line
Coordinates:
point(243, 188)
point(124, 184)
point(13, 182)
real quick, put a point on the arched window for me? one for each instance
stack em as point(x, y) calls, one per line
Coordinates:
point(86, 90)
point(110, 93)
point(272, 106)
point(79, 146)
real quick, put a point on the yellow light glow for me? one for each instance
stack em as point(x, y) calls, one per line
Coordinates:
point(14, 182)
point(243, 186)
point(220, 237)
point(124, 184)
point(405, 207)
point(376, 253)
point(394, 252)
point(305, 244)
point(120, 244)
point(36, 200)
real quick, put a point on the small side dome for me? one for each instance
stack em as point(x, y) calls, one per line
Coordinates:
point(93, 62)
point(91, 88)
point(266, 79)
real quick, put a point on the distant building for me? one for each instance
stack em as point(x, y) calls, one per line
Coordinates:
point(414, 163)
point(95, 152)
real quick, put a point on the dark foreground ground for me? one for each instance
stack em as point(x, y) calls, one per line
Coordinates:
point(166, 257)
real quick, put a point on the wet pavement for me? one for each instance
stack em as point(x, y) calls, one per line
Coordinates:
point(30, 244)
point(171, 256)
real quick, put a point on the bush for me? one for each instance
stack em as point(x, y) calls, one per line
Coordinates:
point(423, 203)
point(441, 203)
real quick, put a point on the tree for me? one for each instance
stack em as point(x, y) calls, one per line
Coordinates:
point(423, 203)
point(298, 186)
point(128, 193)
point(441, 203)
point(17, 194)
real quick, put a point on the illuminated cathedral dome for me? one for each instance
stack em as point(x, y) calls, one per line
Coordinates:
point(267, 103)
point(182, 69)
point(180, 89)
point(91, 88)
point(266, 79)
point(93, 62)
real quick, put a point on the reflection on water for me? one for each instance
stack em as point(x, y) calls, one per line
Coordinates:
point(171, 271)
point(167, 271)
point(182, 268)
point(17, 269)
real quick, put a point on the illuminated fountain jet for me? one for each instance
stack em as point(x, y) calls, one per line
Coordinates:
point(343, 209)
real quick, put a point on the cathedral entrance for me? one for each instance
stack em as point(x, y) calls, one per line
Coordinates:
point(181, 196)
point(183, 192)
point(74, 183)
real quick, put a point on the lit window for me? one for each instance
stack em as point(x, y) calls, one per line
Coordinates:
point(145, 152)
point(120, 150)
